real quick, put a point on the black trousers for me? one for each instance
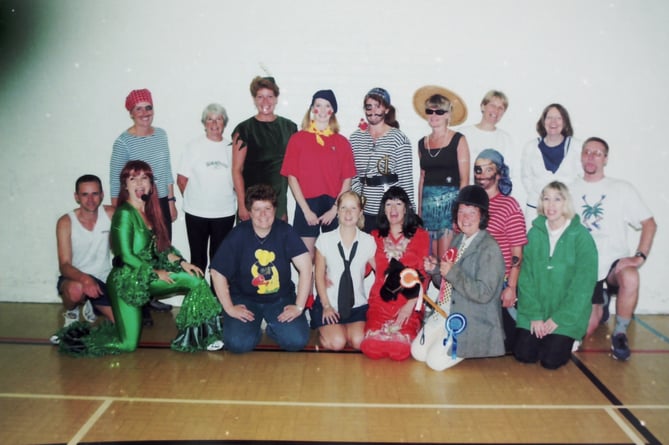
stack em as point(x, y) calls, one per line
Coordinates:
point(552, 351)
point(203, 232)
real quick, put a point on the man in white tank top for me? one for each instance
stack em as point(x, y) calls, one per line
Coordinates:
point(84, 257)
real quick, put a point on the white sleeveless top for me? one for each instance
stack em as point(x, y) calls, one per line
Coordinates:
point(90, 249)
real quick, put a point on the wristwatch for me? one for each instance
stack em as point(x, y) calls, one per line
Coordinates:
point(642, 255)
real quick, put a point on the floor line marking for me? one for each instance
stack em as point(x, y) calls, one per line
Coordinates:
point(330, 404)
point(616, 417)
point(92, 420)
point(651, 329)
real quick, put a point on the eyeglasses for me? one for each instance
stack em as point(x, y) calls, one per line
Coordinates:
point(145, 108)
point(594, 153)
point(437, 112)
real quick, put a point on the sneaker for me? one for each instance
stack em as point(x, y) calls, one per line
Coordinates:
point(159, 306)
point(215, 346)
point(54, 339)
point(576, 346)
point(619, 347)
point(71, 316)
point(88, 312)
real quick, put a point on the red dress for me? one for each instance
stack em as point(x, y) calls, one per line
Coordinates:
point(382, 337)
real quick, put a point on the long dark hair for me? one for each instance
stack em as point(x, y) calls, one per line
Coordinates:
point(567, 129)
point(411, 221)
point(152, 208)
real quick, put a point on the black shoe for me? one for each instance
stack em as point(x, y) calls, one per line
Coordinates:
point(605, 312)
point(159, 306)
point(147, 319)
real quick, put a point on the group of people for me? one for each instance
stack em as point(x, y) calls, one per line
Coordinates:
point(500, 288)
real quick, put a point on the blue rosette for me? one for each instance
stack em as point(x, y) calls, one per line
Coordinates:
point(455, 325)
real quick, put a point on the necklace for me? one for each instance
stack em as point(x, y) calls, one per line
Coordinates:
point(262, 240)
point(429, 150)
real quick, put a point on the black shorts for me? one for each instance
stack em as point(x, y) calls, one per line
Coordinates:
point(358, 313)
point(319, 206)
point(598, 293)
point(102, 300)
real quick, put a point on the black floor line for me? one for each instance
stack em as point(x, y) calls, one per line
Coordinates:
point(636, 423)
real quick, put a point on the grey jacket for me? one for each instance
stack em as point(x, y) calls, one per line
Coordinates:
point(477, 280)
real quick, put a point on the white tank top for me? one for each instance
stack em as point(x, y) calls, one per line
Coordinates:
point(90, 249)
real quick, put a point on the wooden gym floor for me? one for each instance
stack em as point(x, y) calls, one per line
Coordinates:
point(158, 396)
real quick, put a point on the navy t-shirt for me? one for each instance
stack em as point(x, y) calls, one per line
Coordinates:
point(259, 268)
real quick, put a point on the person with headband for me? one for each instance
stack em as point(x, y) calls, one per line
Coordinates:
point(319, 167)
point(144, 142)
point(507, 226)
point(259, 145)
point(444, 162)
point(382, 155)
point(147, 265)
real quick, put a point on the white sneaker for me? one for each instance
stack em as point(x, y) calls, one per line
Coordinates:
point(71, 316)
point(576, 346)
point(215, 346)
point(88, 312)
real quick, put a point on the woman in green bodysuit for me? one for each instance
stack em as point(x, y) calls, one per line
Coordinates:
point(145, 266)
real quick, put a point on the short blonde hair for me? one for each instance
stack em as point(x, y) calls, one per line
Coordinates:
point(359, 200)
point(563, 191)
point(490, 95)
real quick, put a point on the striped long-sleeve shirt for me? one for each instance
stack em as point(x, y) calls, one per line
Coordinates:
point(391, 153)
point(152, 149)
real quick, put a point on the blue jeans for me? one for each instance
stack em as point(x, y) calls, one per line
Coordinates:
point(242, 336)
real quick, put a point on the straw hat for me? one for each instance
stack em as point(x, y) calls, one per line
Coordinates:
point(458, 107)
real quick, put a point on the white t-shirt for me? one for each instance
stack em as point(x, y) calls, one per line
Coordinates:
point(607, 209)
point(326, 243)
point(208, 167)
point(90, 248)
point(498, 139)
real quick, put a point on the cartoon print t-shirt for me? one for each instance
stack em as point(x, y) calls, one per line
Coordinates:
point(259, 268)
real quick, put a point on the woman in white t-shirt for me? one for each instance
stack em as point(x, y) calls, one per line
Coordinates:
point(205, 180)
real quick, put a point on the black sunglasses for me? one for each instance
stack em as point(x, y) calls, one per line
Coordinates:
point(437, 112)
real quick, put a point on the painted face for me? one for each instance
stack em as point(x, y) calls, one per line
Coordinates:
point(553, 122)
point(89, 196)
point(593, 158)
point(395, 211)
point(375, 111)
point(493, 111)
point(485, 174)
point(554, 206)
point(214, 126)
point(142, 114)
point(265, 101)
point(469, 218)
point(262, 215)
point(138, 184)
point(349, 211)
point(322, 110)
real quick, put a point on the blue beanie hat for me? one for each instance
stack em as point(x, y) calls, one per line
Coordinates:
point(504, 185)
point(327, 95)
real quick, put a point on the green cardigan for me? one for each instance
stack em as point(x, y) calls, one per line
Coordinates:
point(558, 287)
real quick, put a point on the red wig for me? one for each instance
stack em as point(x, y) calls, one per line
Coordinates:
point(152, 208)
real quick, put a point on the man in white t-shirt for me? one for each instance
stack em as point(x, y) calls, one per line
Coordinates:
point(84, 258)
point(607, 208)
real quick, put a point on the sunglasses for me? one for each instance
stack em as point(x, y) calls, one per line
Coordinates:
point(145, 108)
point(437, 112)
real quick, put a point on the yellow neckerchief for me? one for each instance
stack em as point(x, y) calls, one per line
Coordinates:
point(327, 132)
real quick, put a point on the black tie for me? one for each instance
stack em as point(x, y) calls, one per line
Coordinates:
point(346, 290)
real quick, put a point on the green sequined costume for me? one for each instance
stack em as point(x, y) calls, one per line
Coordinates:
point(131, 285)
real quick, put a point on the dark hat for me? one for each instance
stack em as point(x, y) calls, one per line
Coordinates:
point(327, 95)
point(473, 195)
point(381, 92)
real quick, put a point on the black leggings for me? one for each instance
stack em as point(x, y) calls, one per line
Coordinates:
point(206, 231)
point(552, 351)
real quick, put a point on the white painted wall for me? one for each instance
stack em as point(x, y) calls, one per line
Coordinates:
point(67, 65)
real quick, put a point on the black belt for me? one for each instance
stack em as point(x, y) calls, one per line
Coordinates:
point(379, 180)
